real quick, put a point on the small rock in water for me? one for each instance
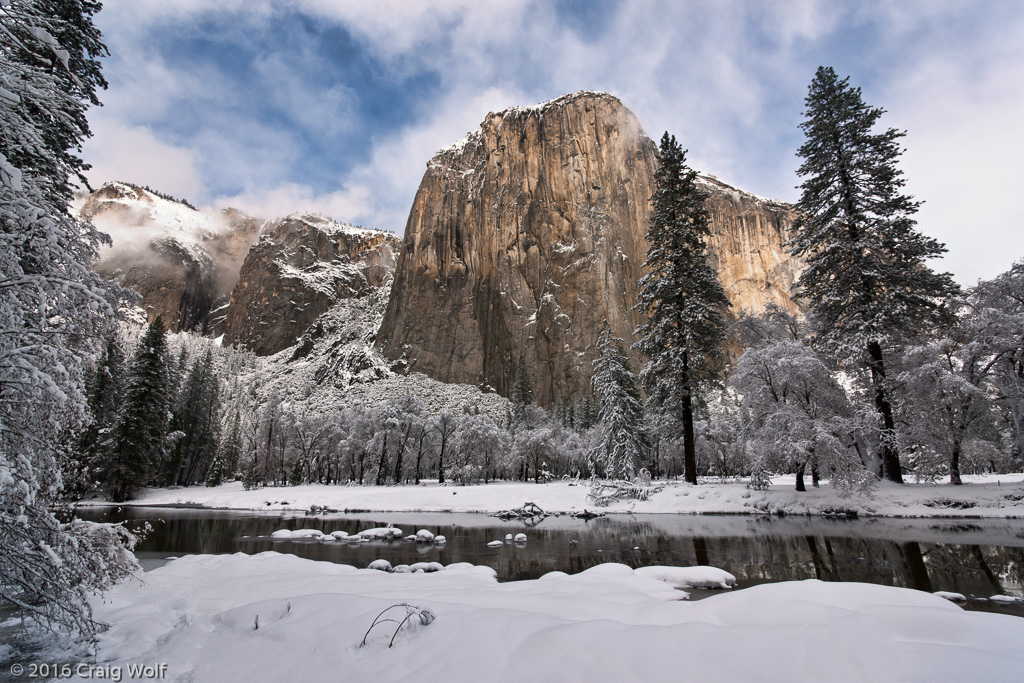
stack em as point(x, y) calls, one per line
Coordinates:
point(495, 544)
point(438, 540)
point(508, 537)
point(520, 538)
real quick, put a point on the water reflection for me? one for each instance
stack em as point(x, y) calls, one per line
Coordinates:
point(979, 559)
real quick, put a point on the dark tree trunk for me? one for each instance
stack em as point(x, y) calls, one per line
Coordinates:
point(382, 462)
point(689, 448)
point(700, 551)
point(800, 477)
point(915, 565)
point(954, 464)
point(887, 438)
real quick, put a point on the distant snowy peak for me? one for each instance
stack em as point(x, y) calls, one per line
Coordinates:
point(182, 261)
point(326, 224)
point(134, 205)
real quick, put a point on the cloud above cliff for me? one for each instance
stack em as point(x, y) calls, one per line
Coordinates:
point(263, 103)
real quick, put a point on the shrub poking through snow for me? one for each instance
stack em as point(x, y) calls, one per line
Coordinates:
point(424, 617)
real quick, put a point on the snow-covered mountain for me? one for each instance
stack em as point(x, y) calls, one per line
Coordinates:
point(183, 262)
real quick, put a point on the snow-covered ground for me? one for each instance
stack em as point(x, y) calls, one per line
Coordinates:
point(274, 617)
point(980, 496)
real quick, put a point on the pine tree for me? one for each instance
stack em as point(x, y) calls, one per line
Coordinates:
point(684, 332)
point(866, 278)
point(623, 445)
point(200, 407)
point(137, 442)
point(104, 390)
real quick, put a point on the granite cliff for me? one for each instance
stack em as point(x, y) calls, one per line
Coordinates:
point(527, 234)
point(301, 266)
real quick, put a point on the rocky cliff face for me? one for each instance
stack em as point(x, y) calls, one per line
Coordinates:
point(527, 234)
point(182, 262)
point(299, 269)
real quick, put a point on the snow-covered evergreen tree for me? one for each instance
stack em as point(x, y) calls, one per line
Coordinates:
point(105, 391)
point(623, 447)
point(198, 418)
point(138, 438)
point(867, 277)
point(681, 296)
point(52, 307)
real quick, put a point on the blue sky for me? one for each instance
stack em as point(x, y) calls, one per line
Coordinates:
point(283, 105)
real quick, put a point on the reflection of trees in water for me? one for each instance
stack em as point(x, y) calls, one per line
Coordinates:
point(761, 554)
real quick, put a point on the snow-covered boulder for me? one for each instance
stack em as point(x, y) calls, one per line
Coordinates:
point(426, 567)
point(520, 538)
point(297, 533)
point(495, 544)
point(381, 565)
point(381, 533)
point(689, 577)
point(952, 597)
point(424, 536)
point(1006, 599)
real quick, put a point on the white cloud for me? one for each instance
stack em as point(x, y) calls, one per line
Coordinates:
point(728, 78)
point(133, 154)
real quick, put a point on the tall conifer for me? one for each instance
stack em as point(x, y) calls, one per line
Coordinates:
point(866, 277)
point(681, 296)
point(137, 443)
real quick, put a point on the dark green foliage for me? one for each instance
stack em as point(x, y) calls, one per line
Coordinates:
point(137, 442)
point(867, 278)
point(105, 392)
point(197, 420)
point(684, 333)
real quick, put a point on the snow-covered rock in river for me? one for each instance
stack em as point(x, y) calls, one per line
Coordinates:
point(424, 536)
point(380, 565)
point(495, 544)
point(297, 533)
point(381, 533)
point(952, 597)
point(690, 577)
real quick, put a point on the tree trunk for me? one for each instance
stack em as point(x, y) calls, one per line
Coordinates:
point(689, 448)
point(800, 477)
point(954, 464)
point(887, 438)
point(382, 462)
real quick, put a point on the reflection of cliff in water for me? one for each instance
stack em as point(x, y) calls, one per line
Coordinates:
point(980, 559)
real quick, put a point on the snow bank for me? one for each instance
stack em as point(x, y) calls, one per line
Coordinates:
point(1001, 496)
point(609, 623)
